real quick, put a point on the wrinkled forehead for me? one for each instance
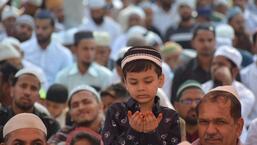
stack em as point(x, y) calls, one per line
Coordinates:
point(218, 108)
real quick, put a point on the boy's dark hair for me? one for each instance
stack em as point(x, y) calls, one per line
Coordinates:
point(45, 14)
point(57, 93)
point(116, 91)
point(85, 136)
point(204, 26)
point(141, 58)
point(216, 96)
point(82, 35)
point(140, 66)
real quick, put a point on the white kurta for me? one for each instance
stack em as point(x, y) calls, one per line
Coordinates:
point(96, 76)
point(52, 59)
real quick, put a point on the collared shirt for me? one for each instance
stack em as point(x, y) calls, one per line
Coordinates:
point(197, 142)
point(97, 76)
point(117, 130)
point(52, 59)
point(192, 137)
point(192, 70)
point(62, 118)
point(247, 100)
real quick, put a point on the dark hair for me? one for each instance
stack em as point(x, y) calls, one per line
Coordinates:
point(118, 89)
point(216, 96)
point(140, 66)
point(45, 14)
point(204, 26)
point(57, 93)
point(8, 71)
point(85, 136)
point(82, 35)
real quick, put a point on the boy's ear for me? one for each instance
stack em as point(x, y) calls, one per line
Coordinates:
point(161, 80)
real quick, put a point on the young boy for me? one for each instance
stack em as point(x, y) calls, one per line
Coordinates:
point(56, 100)
point(141, 120)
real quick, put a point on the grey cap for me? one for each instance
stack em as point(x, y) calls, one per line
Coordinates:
point(187, 84)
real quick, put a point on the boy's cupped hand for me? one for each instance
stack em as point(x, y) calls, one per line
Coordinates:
point(144, 121)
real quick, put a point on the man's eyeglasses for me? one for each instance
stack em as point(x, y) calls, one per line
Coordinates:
point(189, 101)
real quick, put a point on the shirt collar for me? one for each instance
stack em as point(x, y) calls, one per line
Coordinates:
point(92, 71)
point(134, 106)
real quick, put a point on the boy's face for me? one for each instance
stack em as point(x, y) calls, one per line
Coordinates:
point(143, 86)
point(55, 109)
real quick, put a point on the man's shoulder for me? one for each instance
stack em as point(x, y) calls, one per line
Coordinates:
point(101, 69)
point(29, 45)
point(66, 71)
point(168, 111)
point(188, 66)
point(45, 118)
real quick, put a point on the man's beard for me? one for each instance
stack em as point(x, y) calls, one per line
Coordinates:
point(99, 20)
point(216, 83)
point(86, 64)
point(24, 107)
point(186, 18)
point(191, 120)
point(43, 40)
point(22, 37)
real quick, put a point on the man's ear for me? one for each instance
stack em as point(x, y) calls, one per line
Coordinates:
point(161, 80)
point(239, 127)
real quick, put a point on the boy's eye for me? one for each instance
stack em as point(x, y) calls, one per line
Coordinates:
point(148, 81)
point(133, 82)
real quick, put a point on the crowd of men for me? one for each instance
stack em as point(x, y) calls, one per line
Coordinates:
point(60, 67)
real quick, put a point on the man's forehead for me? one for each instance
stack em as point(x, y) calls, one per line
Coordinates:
point(82, 95)
point(214, 109)
point(192, 93)
point(27, 135)
point(26, 76)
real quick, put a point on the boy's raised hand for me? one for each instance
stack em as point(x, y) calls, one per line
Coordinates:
point(151, 122)
point(136, 121)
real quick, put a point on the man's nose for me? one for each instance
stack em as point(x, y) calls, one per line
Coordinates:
point(211, 129)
